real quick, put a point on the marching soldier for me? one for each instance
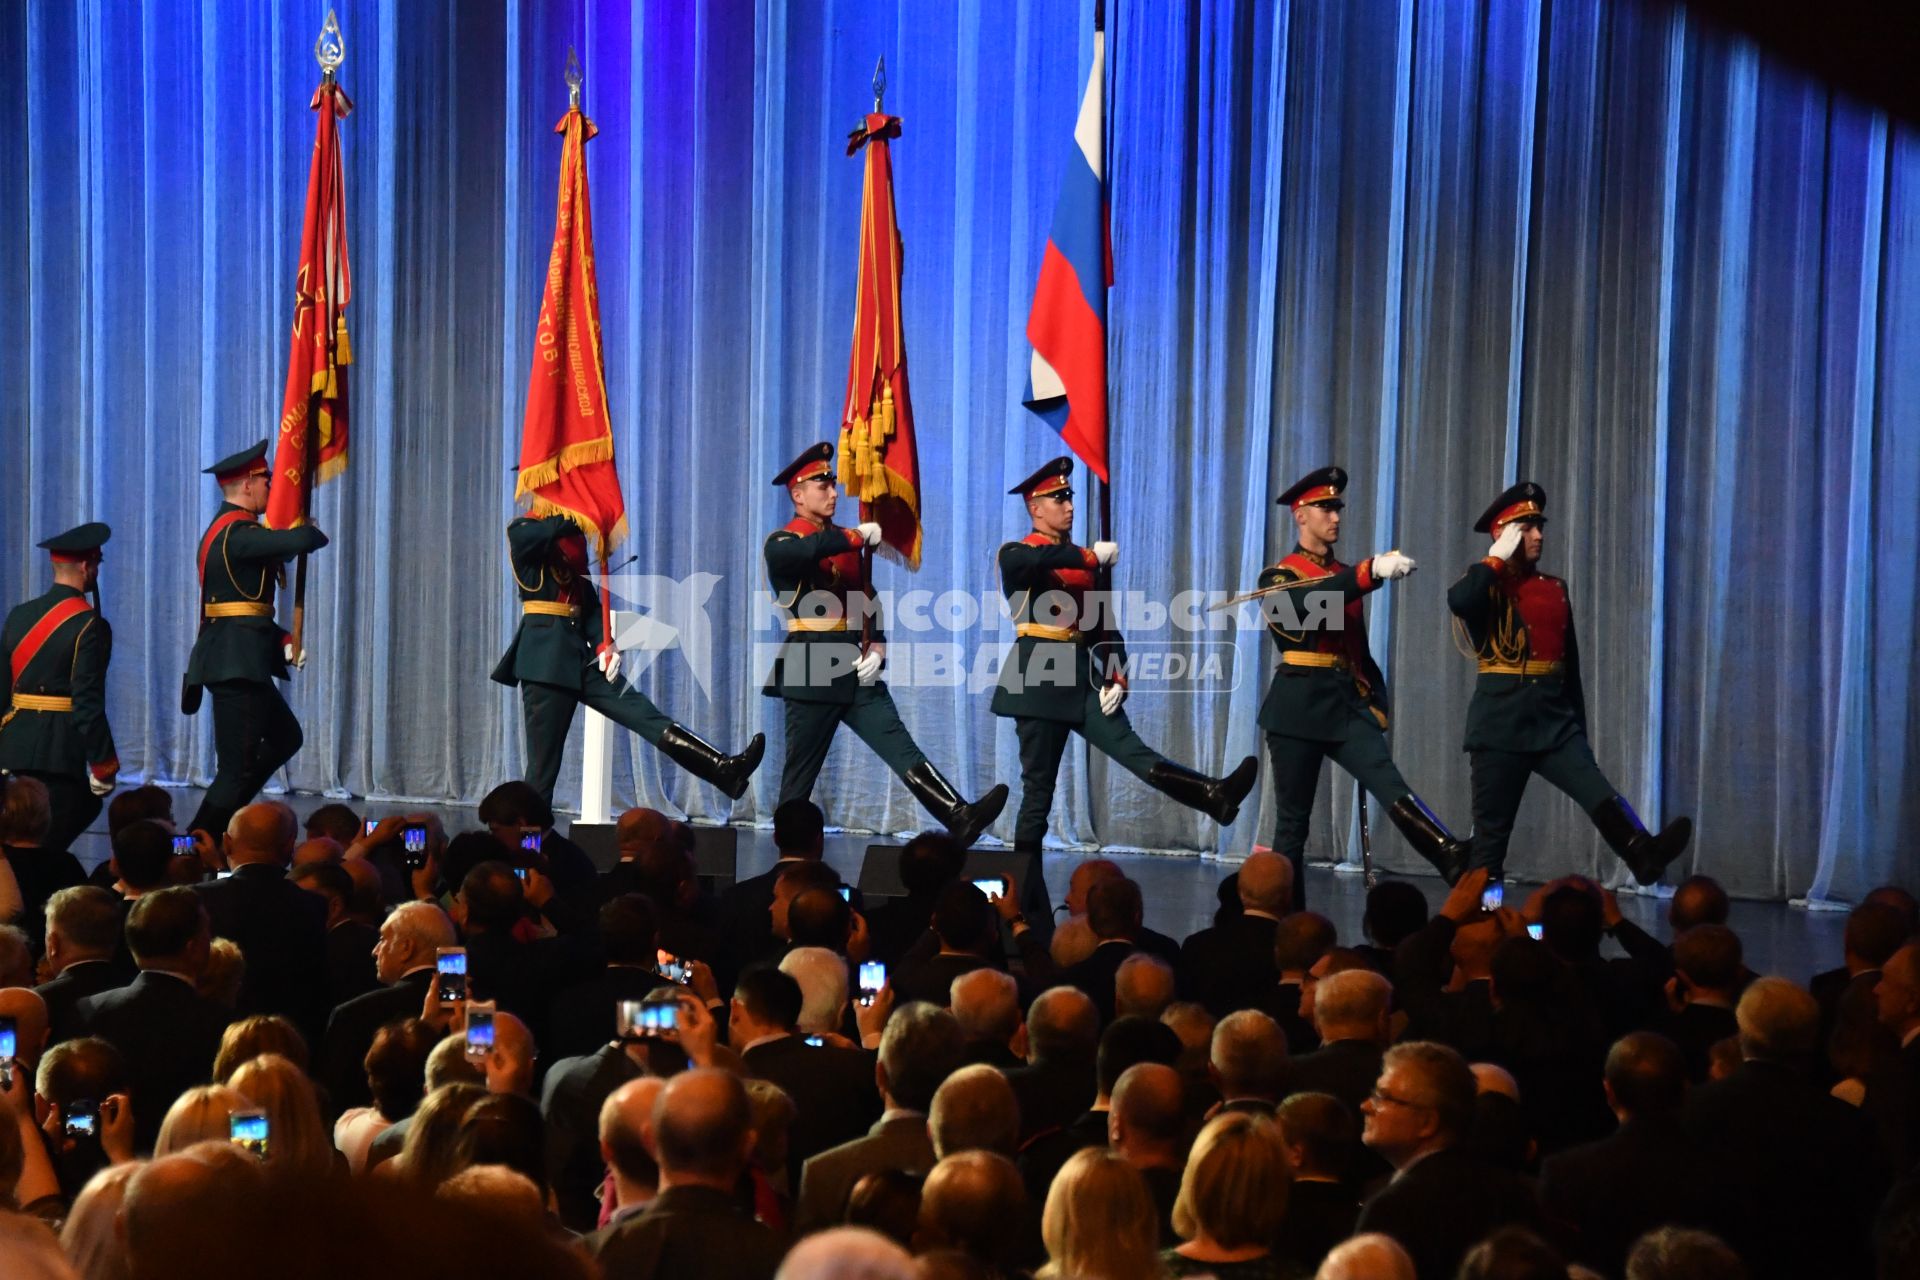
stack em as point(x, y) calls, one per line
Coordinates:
point(1327, 699)
point(240, 650)
point(1529, 713)
point(825, 674)
point(560, 659)
point(54, 651)
point(1050, 686)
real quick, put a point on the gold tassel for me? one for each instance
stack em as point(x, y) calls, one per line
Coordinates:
point(342, 349)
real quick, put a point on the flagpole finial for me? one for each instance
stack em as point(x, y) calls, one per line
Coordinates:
point(574, 79)
point(330, 50)
point(879, 84)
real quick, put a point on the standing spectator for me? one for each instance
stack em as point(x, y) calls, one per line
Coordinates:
point(396, 1065)
point(1233, 1199)
point(1146, 1128)
point(986, 1004)
point(928, 864)
point(1706, 982)
point(350, 936)
point(1117, 912)
point(1099, 1221)
point(297, 1140)
point(832, 1088)
point(627, 1145)
point(1057, 1083)
point(582, 1018)
point(975, 1204)
point(1144, 986)
point(746, 925)
point(1248, 1062)
point(1230, 966)
point(403, 961)
point(1396, 910)
point(1299, 942)
point(280, 928)
point(84, 930)
point(1350, 1016)
point(965, 927)
point(1321, 1133)
point(974, 1110)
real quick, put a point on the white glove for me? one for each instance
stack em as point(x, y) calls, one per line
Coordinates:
point(869, 533)
point(867, 666)
point(1105, 553)
point(1389, 565)
point(99, 786)
point(1111, 697)
point(297, 659)
point(608, 661)
point(1508, 542)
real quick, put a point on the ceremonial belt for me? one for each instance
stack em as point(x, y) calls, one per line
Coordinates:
point(1529, 668)
point(1042, 631)
point(238, 609)
point(41, 702)
point(1314, 658)
point(550, 608)
point(816, 624)
point(42, 631)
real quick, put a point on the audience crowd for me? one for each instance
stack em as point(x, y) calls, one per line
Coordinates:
point(340, 1047)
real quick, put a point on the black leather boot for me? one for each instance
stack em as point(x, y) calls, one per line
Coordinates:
point(1430, 837)
point(1218, 798)
point(706, 762)
point(1645, 854)
point(964, 822)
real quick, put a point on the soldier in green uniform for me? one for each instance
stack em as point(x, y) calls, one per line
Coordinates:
point(1050, 686)
point(560, 659)
point(826, 674)
point(54, 651)
point(1529, 712)
point(1328, 700)
point(241, 650)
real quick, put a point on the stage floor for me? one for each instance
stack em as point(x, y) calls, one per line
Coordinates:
point(1179, 892)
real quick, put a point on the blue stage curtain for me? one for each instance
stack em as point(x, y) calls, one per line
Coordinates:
point(1445, 245)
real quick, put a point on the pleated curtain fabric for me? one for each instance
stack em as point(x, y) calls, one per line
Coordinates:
point(1444, 245)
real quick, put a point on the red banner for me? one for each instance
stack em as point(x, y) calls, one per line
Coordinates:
point(566, 443)
point(312, 444)
point(878, 464)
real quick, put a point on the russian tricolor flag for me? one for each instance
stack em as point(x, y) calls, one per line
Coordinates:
point(1067, 382)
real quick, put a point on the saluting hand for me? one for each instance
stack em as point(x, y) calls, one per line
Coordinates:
point(1507, 543)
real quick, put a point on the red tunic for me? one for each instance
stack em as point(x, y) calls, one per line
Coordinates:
point(841, 574)
point(1350, 642)
point(1542, 602)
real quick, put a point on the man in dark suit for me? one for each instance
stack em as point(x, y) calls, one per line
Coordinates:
point(832, 1088)
point(703, 1136)
point(517, 972)
point(518, 814)
point(1441, 1199)
point(278, 926)
point(920, 1047)
point(1115, 911)
point(746, 925)
point(84, 927)
point(1701, 994)
point(1893, 1092)
point(1459, 937)
point(1126, 1043)
point(965, 927)
point(350, 938)
point(1350, 1012)
point(1300, 941)
point(166, 1032)
point(656, 859)
point(1146, 1126)
point(928, 864)
point(1321, 1133)
point(403, 960)
point(1230, 966)
point(1644, 1175)
point(583, 1014)
point(1246, 1061)
point(1057, 1083)
point(1785, 1151)
point(1875, 930)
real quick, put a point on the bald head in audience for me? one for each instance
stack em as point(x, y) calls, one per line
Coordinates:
point(261, 833)
point(1062, 1023)
point(1143, 986)
point(1353, 1005)
point(1249, 1056)
point(702, 1130)
point(1148, 1117)
point(1778, 1022)
point(967, 1203)
point(847, 1253)
point(986, 1004)
point(626, 1139)
point(974, 1109)
point(1366, 1257)
point(1266, 884)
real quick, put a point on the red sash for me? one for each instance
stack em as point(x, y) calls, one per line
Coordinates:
point(215, 530)
point(42, 631)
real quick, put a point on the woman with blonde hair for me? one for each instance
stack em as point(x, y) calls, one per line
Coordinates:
point(431, 1154)
point(1099, 1223)
point(247, 1039)
point(1233, 1198)
point(199, 1114)
point(297, 1140)
point(90, 1239)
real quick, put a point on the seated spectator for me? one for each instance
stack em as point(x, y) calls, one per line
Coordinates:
point(1072, 942)
point(832, 1088)
point(986, 1004)
point(1501, 1135)
point(848, 1253)
point(822, 975)
point(1574, 915)
point(395, 1066)
point(820, 918)
point(928, 864)
point(1233, 1199)
point(1697, 900)
point(1143, 986)
point(1875, 930)
point(1644, 1175)
point(1321, 1133)
point(223, 976)
point(509, 1065)
point(1099, 1221)
point(886, 1201)
point(199, 1115)
point(1350, 1017)
point(1230, 965)
point(1368, 1256)
point(920, 1047)
point(248, 1038)
point(1706, 982)
point(1551, 1038)
point(26, 816)
point(1785, 1151)
point(84, 931)
point(16, 957)
point(1299, 941)
point(297, 1141)
point(1194, 1025)
point(1126, 1043)
point(1512, 1253)
point(1442, 971)
point(1146, 1127)
point(1396, 910)
point(1441, 1200)
point(1893, 1094)
point(505, 1129)
point(334, 821)
point(1057, 1083)
point(177, 1215)
point(965, 928)
point(656, 861)
point(496, 1191)
point(1248, 1062)
point(791, 882)
point(86, 1072)
point(702, 1133)
point(972, 1204)
point(351, 934)
point(1336, 960)
point(1675, 1253)
point(746, 908)
point(166, 1033)
point(626, 1143)
point(90, 1237)
point(142, 858)
point(767, 1176)
point(1116, 912)
point(974, 1110)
